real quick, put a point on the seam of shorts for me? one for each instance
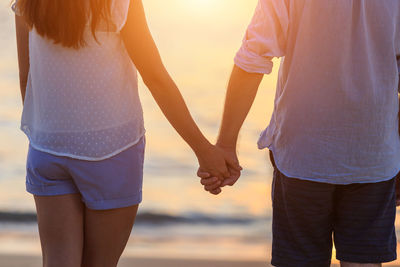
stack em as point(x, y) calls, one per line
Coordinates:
point(42, 190)
point(116, 199)
point(45, 185)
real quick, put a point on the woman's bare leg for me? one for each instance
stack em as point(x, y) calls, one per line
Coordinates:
point(60, 221)
point(106, 235)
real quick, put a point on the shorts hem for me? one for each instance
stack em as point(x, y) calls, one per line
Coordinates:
point(114, 203)
point(51, 190)
point(299, 263)
point(366, 258)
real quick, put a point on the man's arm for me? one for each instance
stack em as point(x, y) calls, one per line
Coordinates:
point(22, 31)
point(265, 39)
point(242, 90)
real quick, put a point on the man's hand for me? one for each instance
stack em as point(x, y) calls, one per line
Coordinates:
point(234, 173)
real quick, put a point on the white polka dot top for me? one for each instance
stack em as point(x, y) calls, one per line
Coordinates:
point(83, 103)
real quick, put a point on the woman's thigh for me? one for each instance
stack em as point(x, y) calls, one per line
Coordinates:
point(60, 221)
point(106, 235)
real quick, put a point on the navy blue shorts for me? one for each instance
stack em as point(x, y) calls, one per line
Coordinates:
point(308, 215)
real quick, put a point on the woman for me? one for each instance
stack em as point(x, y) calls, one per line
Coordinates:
point(83, 118)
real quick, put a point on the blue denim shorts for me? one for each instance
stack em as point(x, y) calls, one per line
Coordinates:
point(112, 183)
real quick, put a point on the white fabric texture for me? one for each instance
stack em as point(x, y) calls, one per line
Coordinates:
point(83, 103)
point(335, 116)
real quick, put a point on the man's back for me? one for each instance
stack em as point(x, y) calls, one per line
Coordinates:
point(334, 131)
point(336, 108)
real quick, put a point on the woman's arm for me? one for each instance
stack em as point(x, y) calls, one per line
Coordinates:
point(145, 55)
point(23, 52)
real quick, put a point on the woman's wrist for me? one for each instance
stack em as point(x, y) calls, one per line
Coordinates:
point(202, 147)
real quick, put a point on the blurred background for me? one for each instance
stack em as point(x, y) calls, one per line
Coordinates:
point(198, 40)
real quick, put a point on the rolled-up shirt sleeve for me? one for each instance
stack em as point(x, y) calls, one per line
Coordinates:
point(265, 37)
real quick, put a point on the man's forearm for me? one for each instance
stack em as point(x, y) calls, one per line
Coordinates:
point(242, 90)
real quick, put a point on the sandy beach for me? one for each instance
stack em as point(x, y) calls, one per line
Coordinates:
point(35, 261)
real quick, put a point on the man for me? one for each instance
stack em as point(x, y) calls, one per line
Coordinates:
point(334, 130)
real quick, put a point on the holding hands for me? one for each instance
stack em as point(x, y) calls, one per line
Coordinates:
point(228, 173)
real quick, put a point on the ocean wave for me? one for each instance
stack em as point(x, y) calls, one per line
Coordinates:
point(17, 217)
point(194, 218)
point(149, 218)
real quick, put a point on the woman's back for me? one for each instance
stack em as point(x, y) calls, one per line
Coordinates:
point(84, 102)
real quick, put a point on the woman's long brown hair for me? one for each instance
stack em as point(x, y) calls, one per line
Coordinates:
point(64, 21)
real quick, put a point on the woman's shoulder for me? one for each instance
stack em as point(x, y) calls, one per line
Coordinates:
point(118, 16)
point(14, 8)
point(119, 12)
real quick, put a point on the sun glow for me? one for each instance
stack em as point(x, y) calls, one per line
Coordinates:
point(202, 4)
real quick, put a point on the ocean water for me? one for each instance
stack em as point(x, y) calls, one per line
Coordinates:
point(197, 40)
